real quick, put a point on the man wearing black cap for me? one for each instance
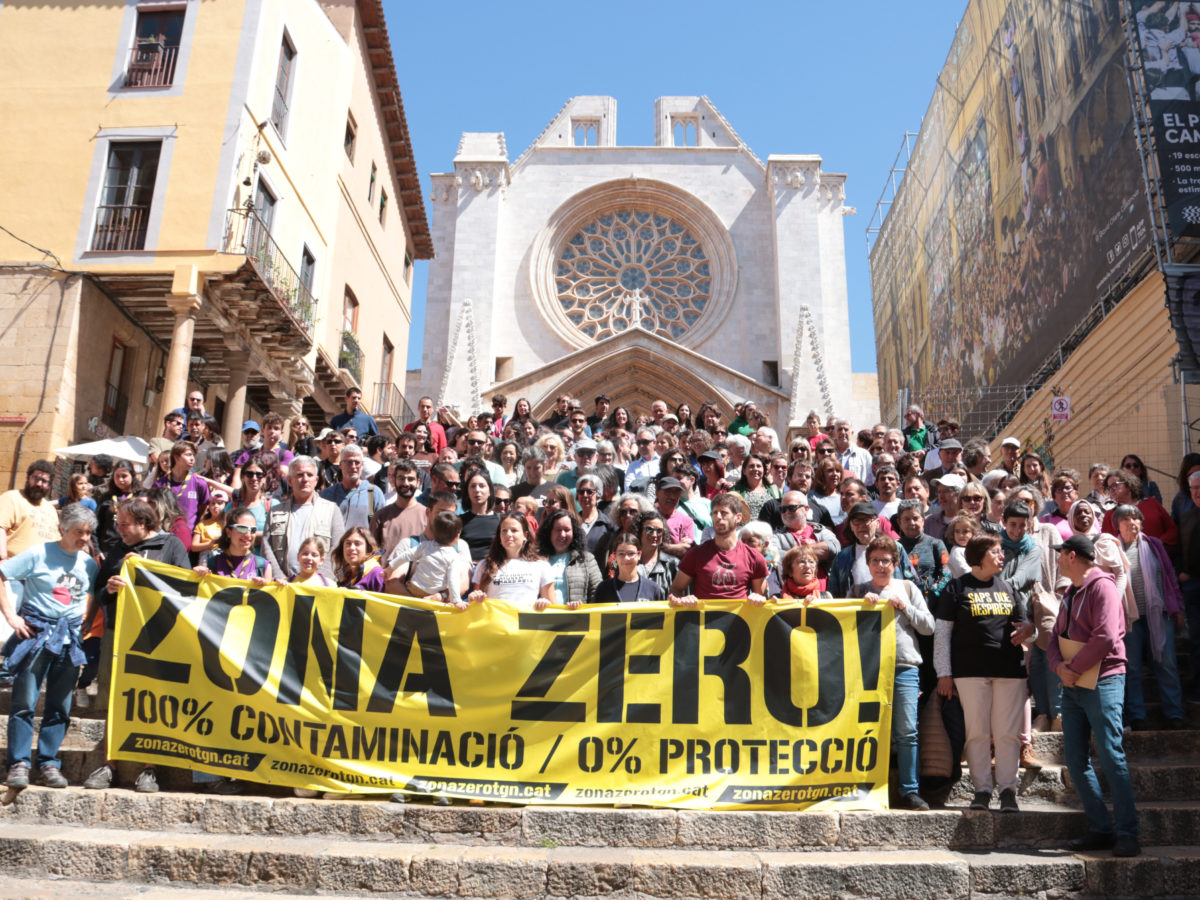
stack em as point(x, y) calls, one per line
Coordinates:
point(1092, 623)
point(850, 564)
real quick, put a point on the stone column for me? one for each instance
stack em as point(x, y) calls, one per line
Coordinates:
point(179, 359)
point(238, 363)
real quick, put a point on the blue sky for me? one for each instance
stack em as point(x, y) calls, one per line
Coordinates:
point(841, 80)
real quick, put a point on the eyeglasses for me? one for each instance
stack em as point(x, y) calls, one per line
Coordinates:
point(245, 529)
point(585, 492)
point(252, 475)
point(880, 561)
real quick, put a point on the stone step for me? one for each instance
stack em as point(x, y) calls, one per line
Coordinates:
point(1172, 774)
point(310, 864)
point(12, 888)
point(1038, 825)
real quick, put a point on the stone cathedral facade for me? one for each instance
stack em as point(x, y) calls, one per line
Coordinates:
point(688, 270)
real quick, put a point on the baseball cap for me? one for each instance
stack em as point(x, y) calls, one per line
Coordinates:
point(952, 480)
point(250, 425)
point(711, 455)
point(324, 435)
point(1082, 545)
point(864, 509)
point(1010, 442)
point(585, 444)
point(667, 483)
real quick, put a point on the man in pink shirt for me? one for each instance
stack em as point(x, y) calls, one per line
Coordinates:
point(1092, 616)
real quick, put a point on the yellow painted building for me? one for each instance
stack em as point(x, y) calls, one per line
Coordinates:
point(211, 194)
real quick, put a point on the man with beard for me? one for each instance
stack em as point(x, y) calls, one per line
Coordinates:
point(723, 568)
point(404, 516)
point(27, 517)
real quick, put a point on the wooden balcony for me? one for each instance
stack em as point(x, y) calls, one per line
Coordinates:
point(120, 228)
point(247, 235)
point(151, 65)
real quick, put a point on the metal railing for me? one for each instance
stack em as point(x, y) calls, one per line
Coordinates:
point(350, 355)
point(116, 405)
point(248, 235)
point(152, 64)
point(120, 228)
point(390, 402)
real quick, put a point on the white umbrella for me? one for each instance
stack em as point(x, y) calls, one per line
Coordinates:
point(129, 447)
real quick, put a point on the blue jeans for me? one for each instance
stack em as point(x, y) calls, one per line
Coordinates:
point(1170, 691)
point(1098, 712)
point(904, 727)
point(58, 673)
point(1044, 683)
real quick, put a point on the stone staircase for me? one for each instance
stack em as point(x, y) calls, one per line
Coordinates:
point(180, 843)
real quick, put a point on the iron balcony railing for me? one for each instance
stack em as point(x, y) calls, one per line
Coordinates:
point(120, 228)
point(152, 64)
point(390, 402)
point(249, 236)
point(116, 405)
point(350, 355)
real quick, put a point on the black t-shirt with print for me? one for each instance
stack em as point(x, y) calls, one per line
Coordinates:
point(984, 615)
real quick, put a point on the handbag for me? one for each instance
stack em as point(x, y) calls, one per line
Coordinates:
point(933, 741)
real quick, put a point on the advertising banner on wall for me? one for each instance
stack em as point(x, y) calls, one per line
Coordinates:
point(730, 706)
point(1023, 202)
point(1168, 41)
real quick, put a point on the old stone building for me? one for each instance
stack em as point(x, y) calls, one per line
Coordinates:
point(212, 196)
point(690, 270)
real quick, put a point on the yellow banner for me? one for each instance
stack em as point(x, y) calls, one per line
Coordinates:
point(724, 707)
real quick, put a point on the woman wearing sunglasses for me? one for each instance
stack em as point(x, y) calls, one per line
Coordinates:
point(234, 555)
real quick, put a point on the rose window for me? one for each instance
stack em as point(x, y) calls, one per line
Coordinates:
point(633, 270)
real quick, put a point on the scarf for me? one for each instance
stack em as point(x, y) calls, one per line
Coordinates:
point(800, 591)
point(1017, 548)
point(1091, 532)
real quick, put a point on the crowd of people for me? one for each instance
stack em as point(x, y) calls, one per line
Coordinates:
point(1025, 600)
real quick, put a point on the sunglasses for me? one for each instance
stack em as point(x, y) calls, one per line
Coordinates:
point(644, 443)
point(503, 501)
point(245, 529)
point(792, 507)
point(252, 474)
point(453, 484)
point(627, 512)
point(471, 443)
